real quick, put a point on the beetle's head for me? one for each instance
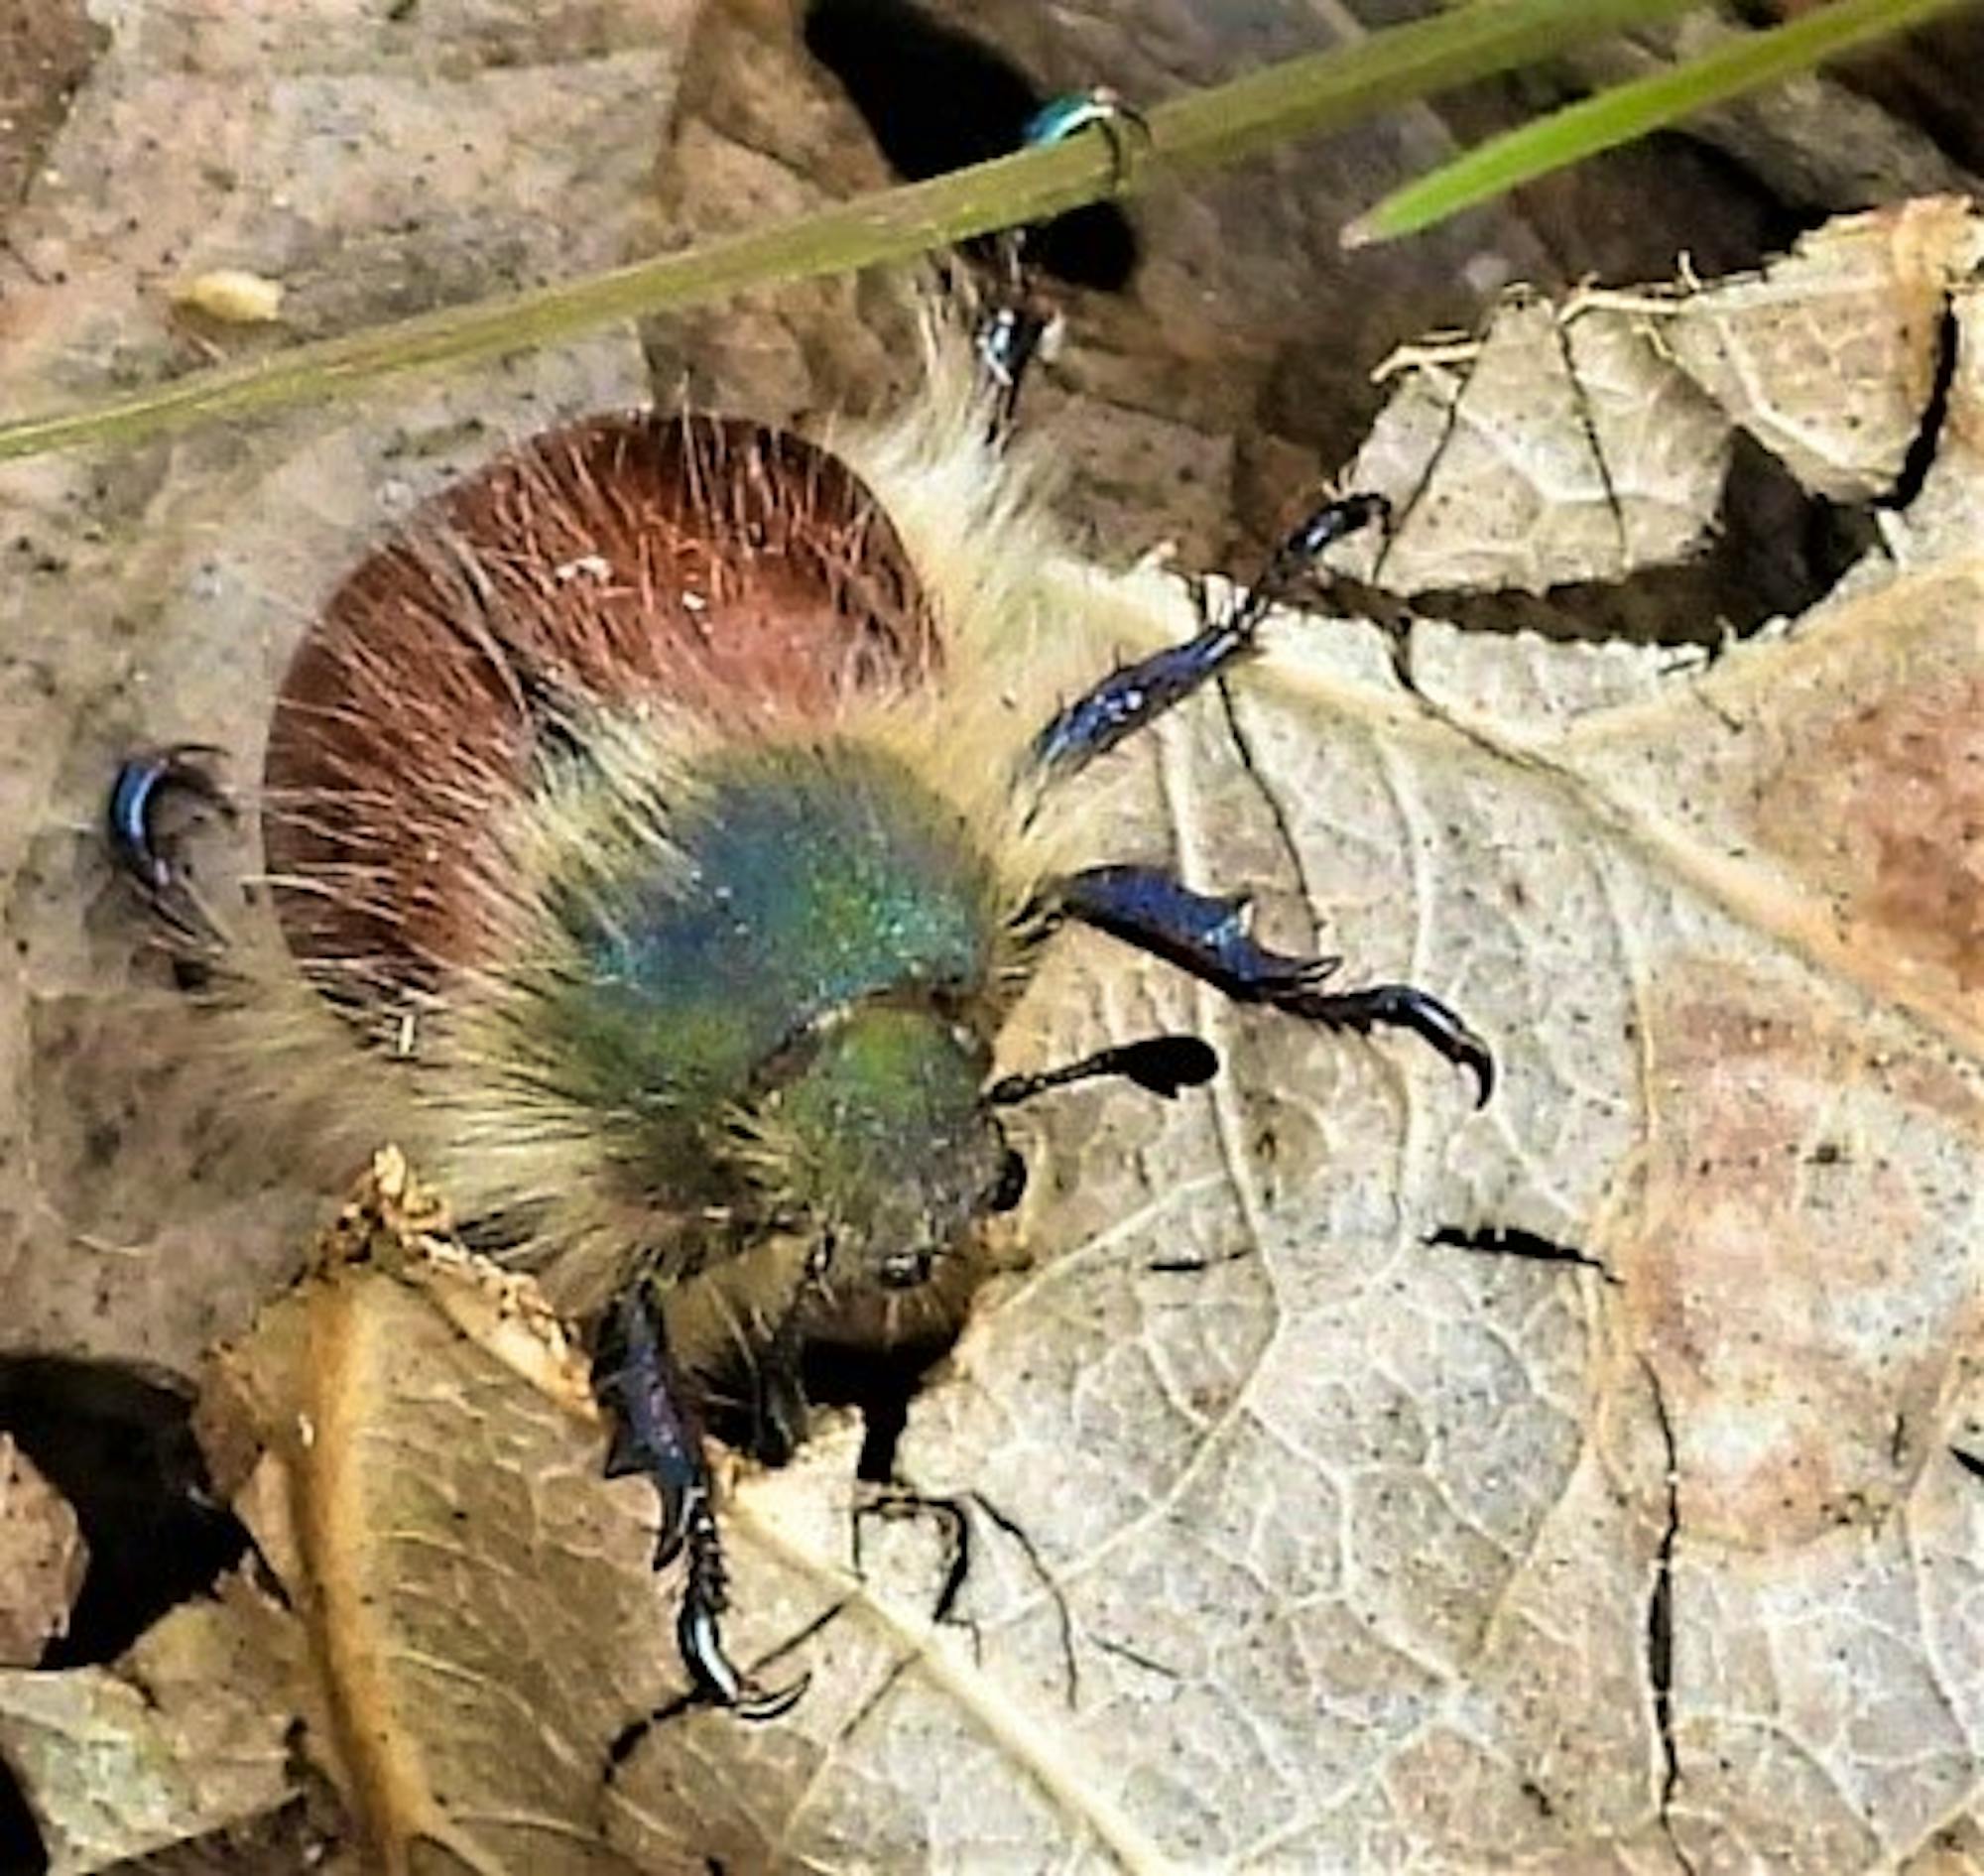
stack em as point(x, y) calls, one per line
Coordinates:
point(884, 1142)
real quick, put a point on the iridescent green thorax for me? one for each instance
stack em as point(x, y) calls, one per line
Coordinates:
point(883, 1135)
point(802, 881)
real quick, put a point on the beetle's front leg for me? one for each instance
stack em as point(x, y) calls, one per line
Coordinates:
point(656, 1430)
point(1209, 938)
point(1130, 699)
point(779, 1405)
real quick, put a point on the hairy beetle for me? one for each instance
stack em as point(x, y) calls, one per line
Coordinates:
point(666, 821)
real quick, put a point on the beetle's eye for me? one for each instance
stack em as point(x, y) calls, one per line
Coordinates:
point(1012, 1183)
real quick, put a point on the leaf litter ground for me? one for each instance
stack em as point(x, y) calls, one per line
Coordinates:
point(1346, 1549)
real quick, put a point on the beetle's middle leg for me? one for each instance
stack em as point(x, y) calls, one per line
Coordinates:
point(1208, 937)
point(1137, 695)
point(657, 1432)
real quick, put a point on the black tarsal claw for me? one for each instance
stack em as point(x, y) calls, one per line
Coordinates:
point(718, 1679)
point(700, 1641)
point(1290, 976)
point(1427, 1016)
point(673, 1532)
point(1478, 1057)
point(1404, 1006)
point(142, 783)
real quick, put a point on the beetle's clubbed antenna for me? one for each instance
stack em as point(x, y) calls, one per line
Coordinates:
point(1158, 1065)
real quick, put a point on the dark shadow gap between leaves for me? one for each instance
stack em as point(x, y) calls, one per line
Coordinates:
point(879, 1384)
point(117, 1443)
point(1778, 553)
point(937, 98)
point(22, 1852)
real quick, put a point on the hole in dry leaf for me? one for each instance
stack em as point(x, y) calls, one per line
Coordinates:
point(118, 1444)
point(1499, 1240)
point(21, 1849)
point(937, 99)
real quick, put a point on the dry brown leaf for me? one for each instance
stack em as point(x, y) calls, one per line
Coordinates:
point(1348, 1549)
point(42, 1560)
point(479, 1606)
point(183, 1736)
point(1364, 1551)
point(1580, 441)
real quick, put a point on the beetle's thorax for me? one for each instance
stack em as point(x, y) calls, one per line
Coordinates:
point(788, 883)
point(757, 985)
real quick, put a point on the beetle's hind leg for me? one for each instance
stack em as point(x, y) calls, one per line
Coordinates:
point(1209, 938)
point(657, 1431)
point(1019, 313)
point(144, 851)
point(1136, 695)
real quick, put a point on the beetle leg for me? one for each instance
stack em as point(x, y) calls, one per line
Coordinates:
point(137, 845)
point(656, 1431)
point(1011, 330)
point(778, 1392)
point(1208, 937)
point(902, 1501)
point(1100, 108)
point(1137, 695)
point(777, 1383)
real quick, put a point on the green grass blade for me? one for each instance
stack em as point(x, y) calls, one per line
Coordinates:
point(1631, 110)
point(1316, 92)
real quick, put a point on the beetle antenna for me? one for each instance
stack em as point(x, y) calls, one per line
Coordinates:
point(1158, 1065)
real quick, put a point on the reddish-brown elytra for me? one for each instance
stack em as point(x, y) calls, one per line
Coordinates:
point(704, 563)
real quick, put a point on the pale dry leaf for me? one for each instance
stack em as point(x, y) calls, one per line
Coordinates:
point(184, 1736)
point(1550, 451)
point(1828, 357)
point(42, 1559)
point(1583, 441)
point(1347, 1547)
point(1374, 1550)
point(1342, 1548)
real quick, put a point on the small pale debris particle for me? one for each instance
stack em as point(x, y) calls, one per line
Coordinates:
point(232, 294)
